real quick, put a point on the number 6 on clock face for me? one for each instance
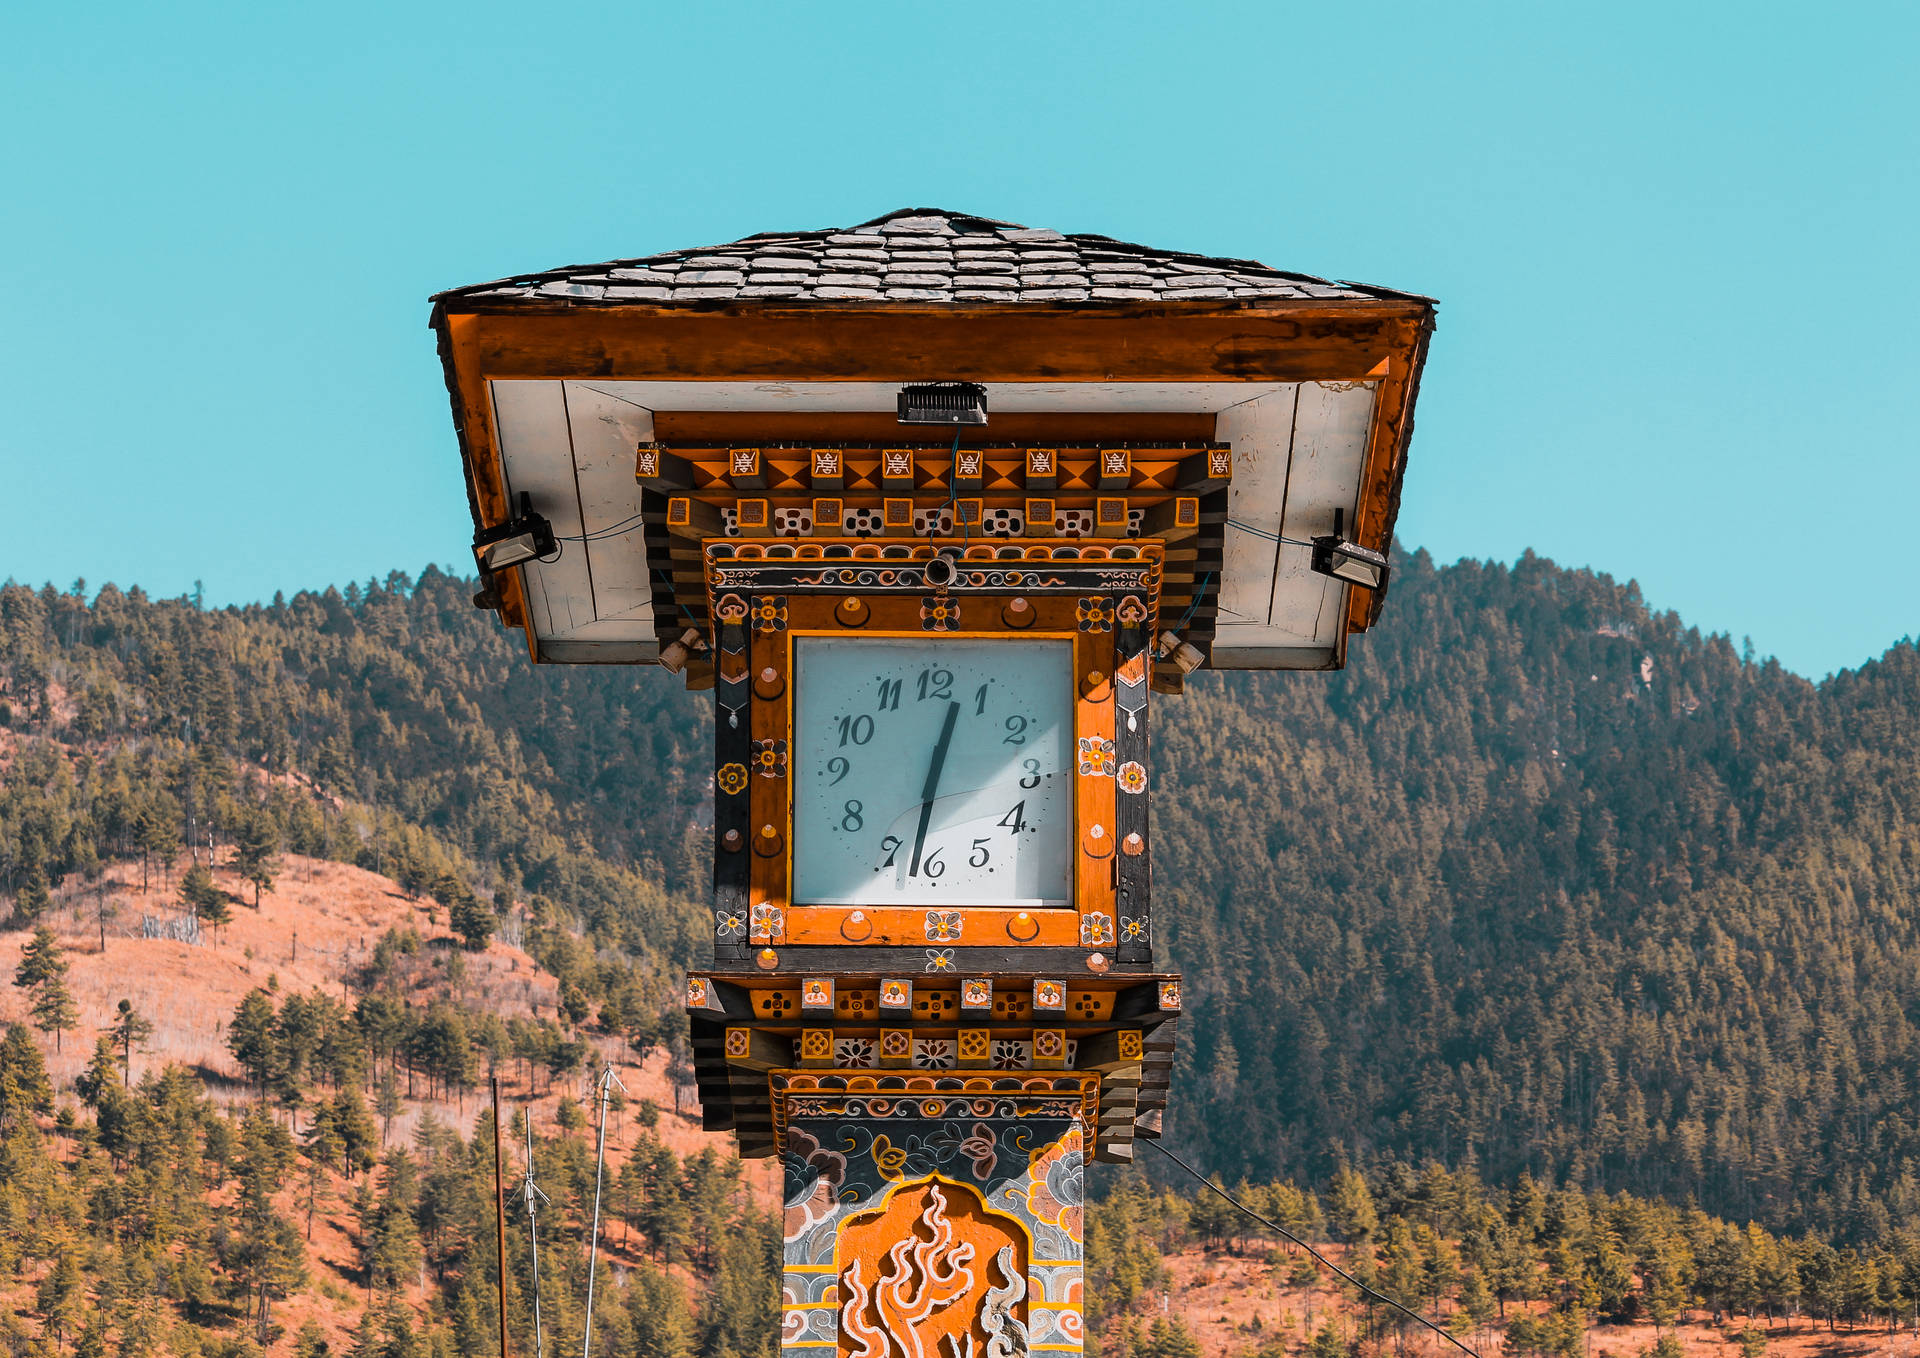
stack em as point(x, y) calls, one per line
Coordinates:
point(932, 772)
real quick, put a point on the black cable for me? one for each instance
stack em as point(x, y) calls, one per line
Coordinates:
point(611, 531)
point(1198, 595)
point(1263, 533)
point(1327, 1263)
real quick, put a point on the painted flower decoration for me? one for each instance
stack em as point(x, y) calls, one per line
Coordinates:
point(732, 779)
point(1012, 1055)
point(1132, 929)
point(1096, 928)
point(770, 758)
point(933, 1053)
point(770, 613)
point(1050, 994)
point(1094, 615)
point(768, 922)
point(888, 1158)
point(939, 614)
point(1049, 1042)
point(976, 992)
point(1132, 777)
point(939, 959)
point(895, 995)
point(1096, 757)
point(1169, 994)
point(696, 991)
point(982, 1149)
point(817, 994)
point(855, 1053)
point(729, 923)
point(943, 926)
point(894, 1042)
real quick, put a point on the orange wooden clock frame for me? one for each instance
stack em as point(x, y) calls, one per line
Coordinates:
point(1092, 620)
point(1093, 889)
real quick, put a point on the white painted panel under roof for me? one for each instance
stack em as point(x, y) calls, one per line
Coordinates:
point(1298, 455)
point(535, 460)
point(604, 430)
point(1301, 620)
point(1261, 433)
point(538, 456)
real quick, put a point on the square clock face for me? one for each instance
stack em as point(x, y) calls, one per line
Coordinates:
point(932, 772)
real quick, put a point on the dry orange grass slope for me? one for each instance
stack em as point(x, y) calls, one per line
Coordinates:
point(319, 924)
point(1236, 1303)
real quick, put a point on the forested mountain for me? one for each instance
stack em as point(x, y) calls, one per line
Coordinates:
point(1543, 881)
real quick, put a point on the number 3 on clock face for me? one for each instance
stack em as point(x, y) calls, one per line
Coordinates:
point(932, 772)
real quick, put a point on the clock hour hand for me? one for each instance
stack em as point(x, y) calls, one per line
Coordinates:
point(932, 788)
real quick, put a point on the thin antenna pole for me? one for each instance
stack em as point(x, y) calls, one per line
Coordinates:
point(606, 1082)
point(500, 1215)
point(530, 1191)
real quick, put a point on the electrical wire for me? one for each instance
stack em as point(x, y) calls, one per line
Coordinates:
point(1327, 1263)
point(611, 531)
point(1263, 533)
point(1198, 595)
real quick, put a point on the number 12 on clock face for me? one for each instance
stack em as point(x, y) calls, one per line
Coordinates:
point(932, 772)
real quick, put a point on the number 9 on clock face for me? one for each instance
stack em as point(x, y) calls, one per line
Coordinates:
point(932, 772)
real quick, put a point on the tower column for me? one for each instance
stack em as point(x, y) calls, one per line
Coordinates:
point(933, 1216)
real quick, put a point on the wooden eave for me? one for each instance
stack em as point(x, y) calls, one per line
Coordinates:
point(1346, 339)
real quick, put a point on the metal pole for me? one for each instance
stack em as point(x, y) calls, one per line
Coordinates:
point(500, 1216)
point(606, 1082)
point(530, 1191)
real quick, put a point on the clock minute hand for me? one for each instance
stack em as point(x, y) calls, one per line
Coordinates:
point(932, 788)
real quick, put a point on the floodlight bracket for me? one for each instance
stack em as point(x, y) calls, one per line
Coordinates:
point(944, 403)
point(525, 537)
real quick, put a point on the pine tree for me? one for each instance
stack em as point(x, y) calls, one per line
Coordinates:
point(1350, 1208)
point(157, 833)
point(95, 1083)
point(34, 896)
point(359, 1141)
point(472, 919)
point(663, 1325)
point(24, 1087)
point(311, 1341)
point(253, 1038)
point(1170, 1338)
point(255, 855)
point(740, 1313)
point(61, 1296)
point(202, 898)
point(42, 973)
point(130, 1029)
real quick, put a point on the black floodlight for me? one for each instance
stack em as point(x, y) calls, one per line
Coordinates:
point(1350, 561)
point(526, 537)
point(948, 403)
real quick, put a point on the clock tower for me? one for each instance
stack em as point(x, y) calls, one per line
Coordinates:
point(938, 508)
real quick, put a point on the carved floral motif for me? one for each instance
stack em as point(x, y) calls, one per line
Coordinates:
point(939, 614)
point(770, 758)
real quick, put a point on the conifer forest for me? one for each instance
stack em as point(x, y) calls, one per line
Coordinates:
point(1565, 959)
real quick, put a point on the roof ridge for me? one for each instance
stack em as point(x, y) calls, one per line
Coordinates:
point(919, 255)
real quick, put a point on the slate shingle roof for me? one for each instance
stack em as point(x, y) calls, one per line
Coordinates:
point(917, 255)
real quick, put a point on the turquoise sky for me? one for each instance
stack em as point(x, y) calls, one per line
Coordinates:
point(1674, 247)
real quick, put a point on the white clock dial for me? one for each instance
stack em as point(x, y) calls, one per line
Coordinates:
point(932, 772)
